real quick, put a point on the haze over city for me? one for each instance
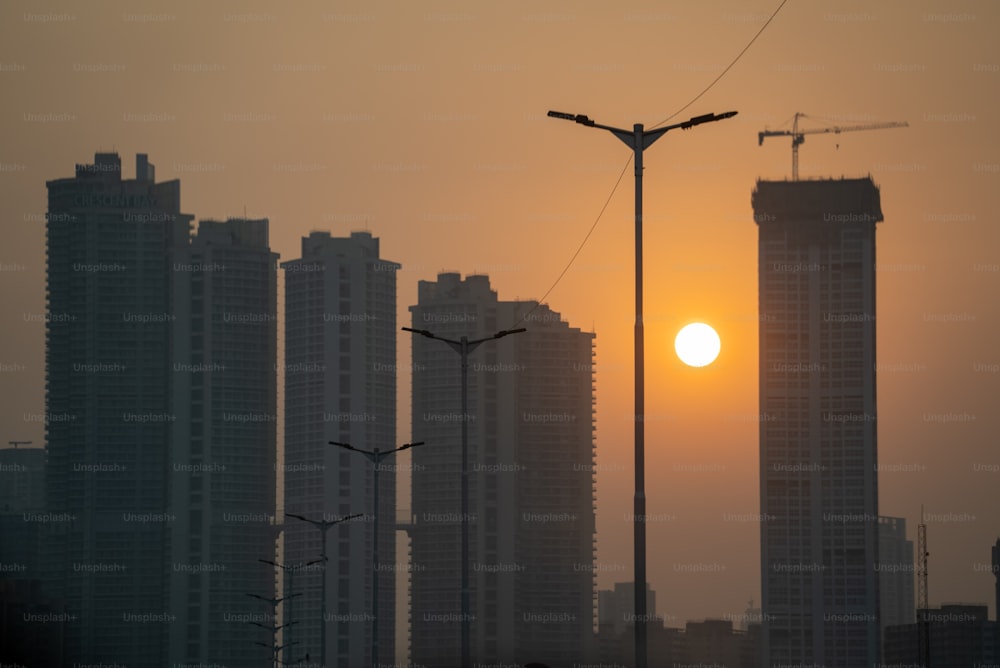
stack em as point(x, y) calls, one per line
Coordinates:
point(425, 124)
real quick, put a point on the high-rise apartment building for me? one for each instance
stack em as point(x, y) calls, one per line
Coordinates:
point(108, 408)
point(818, 454)
point(340, 385)
point(160, 423)
point(531, 481)
point(222, 458)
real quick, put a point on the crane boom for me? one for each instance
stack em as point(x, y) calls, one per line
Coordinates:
point(798, 136)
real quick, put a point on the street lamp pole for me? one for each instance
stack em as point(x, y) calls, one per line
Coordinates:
point(273, 646)
point(290, 570)
point(638, 139)
point(375, 457)
point(463, 347)
point(323, 526)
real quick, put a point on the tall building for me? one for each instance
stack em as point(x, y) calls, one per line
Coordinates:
point(160, 422)
point(818, 454)
point(108, 408)
point(340, 385)
point(531, 481)
point(896, 571)
point(222, 459)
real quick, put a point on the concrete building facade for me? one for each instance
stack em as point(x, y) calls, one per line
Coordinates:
point(340, 385)
point(531, 480)
point(818, 438)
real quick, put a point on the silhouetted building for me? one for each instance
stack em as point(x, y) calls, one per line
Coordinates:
point(995, 565)
point(960, 636)
point(531, 481)
point(751, 615)
point(22, 497)
point(161, 414)
point(32, 627)
point(895, 573)
point(616, 607)
point(340, 385)
point(222, 459)
point(22, 479)
point(818, 454)
point(666, 646)
point(713, 641)
point(108, 408)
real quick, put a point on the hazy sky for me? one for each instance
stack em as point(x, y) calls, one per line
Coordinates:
point(424, 122)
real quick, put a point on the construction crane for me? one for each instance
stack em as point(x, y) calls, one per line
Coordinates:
point(17, 443)
point(798, 136)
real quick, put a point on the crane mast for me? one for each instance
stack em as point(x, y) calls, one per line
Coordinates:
point(798, 136)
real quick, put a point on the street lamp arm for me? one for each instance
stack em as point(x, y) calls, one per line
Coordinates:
point(705, 118)
point(582, 119)
point(409, 445)
point(347, 446)
point(431, 335)
point(499, 335)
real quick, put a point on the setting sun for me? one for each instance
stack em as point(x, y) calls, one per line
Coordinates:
point(697, 344)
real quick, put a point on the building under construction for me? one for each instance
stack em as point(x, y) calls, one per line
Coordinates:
point(818, 452)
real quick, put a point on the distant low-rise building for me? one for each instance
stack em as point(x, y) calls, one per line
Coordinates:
point(961, 636)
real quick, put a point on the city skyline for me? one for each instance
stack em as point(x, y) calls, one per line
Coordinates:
point(224, 258)
point(427, 126)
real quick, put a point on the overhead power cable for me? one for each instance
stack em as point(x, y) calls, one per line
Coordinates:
point(627, 162)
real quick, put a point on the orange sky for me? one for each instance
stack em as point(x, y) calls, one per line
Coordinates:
point(425, 123)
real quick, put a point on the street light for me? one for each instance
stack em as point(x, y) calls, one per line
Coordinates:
point(274, 620)
point(290, 569)
point(323, 526)
point(375, 457)
point(275, 650)
point(638, 140)
point(463, 347)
